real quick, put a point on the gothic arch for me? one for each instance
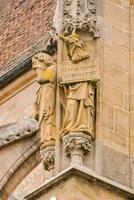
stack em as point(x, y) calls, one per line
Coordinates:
point(24, 147)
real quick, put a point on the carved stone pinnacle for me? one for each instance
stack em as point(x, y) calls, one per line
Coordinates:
point(76, 146)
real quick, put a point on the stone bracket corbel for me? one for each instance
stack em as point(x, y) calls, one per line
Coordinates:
point(76, 146)
point(48, 158)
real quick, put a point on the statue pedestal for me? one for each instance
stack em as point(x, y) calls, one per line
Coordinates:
point(48, 159)
point(76, 146)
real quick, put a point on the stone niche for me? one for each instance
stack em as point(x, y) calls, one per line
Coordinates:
point(76, 183)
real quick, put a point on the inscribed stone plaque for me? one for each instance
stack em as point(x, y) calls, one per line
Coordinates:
point(69, 72)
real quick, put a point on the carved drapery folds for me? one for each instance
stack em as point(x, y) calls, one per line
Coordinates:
point(75, 78)
point(79, 94)
point(44, 107)
point(77, 130)
point(45, 103)
point(80, 15)
point(77, 126)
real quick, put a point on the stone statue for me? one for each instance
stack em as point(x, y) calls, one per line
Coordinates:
point(44, 107)
point(79, 111)
point(75, 48)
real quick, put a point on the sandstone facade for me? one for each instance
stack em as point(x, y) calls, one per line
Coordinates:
point(112, 150)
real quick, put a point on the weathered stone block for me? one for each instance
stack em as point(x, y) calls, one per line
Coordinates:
point(132, 124)
point(115, 141)
point(19, 106)
point(120, 38)
point(120, 17)
point(116, 57)
point(132, 41)
point(107, 33)
point(117, 2)
point(131, 83)
point(122, 122)
point(80, 184)
point(116, 165)
point(116, 78)
point(30, 183)
point(107, 116)
point(132, 146)
point(132, 17)
point(126, 102)
point(132, 171)
point(112, 95)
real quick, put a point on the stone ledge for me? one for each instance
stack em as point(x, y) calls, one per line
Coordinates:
point(17, 131)
point(88, 175)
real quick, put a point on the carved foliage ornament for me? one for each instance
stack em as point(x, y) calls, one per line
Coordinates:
point(80, 15)
point(77, 142)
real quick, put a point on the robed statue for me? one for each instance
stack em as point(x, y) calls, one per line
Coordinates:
point(79, 110)
point(44, 107)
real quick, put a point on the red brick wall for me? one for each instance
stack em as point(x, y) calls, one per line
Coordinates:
point(22, 24)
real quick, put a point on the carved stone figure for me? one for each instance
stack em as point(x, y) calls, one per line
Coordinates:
point(75, 48)
point(44, 107)
point(79, 111)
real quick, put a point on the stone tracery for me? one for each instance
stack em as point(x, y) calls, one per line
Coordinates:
point(80, 15)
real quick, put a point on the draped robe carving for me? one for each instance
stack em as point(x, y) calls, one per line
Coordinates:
point(44, 107)
point(79, 110)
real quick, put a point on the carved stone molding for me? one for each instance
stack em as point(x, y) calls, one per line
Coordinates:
point(28, 154)
point(76, 146)
point(48, 158)
point(81, 15)
point(17, 131)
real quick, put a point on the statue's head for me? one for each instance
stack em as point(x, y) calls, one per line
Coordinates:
point(41, 61)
